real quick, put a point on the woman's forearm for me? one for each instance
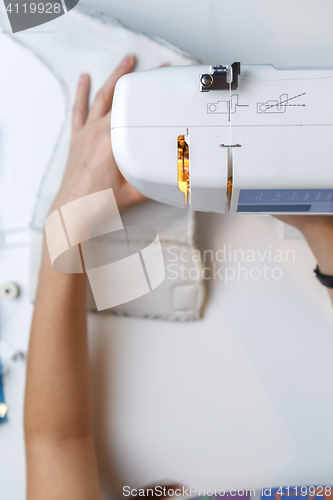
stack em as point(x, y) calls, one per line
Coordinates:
point(57, 403)
point(60, 451)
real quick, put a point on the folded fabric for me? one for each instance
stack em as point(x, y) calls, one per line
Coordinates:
point(87, 41)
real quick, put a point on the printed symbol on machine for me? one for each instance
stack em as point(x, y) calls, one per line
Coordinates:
point(227, 107)
point(279, 105)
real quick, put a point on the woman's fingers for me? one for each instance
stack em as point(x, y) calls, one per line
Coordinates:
point(80, 110)
point(103, 99)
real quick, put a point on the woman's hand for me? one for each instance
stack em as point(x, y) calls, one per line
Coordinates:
point(91, 166)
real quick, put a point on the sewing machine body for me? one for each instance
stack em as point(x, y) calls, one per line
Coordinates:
point(263, 144)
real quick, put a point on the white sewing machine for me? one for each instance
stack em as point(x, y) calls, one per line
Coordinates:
point(244, 139)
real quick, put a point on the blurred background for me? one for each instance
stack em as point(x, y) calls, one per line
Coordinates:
point(283, 33)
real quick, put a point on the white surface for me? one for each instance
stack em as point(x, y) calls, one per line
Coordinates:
point(232, 401)
point(242, 398)
point(20, 90)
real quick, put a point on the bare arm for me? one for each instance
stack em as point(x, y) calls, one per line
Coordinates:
point(61, 460)
point(318, 232)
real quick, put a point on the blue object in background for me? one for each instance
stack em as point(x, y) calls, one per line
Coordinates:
point(2, 397)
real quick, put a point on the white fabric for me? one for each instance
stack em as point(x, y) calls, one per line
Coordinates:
point(86, 41)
